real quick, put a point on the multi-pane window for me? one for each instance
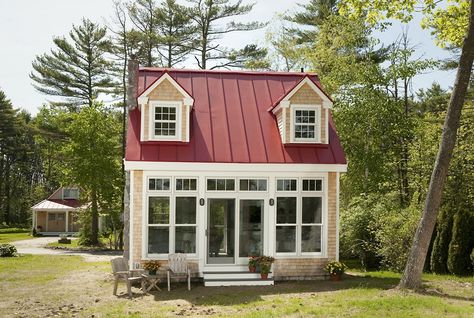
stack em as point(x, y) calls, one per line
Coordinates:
point(286, 225)
point(286, 185)
point(186, 184)
point(220, 184)
point(305, 124)
point(185, 226)
point(312, 185)
point(158, 225)
point(159, 184)
point(253, 185)
point(311, 224)
point(165, 121)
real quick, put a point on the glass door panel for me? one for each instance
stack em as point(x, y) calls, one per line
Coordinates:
point(251, 228)
point(221, 231)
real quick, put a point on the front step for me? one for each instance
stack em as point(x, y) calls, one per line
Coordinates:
point(236, 278)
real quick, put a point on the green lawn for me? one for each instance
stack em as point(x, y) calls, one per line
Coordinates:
point(75, 245)
point(78, 288)
point(8, 235)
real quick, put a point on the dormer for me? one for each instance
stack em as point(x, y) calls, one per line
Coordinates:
point(70, 193)
point(302, 114)
point(165, 111)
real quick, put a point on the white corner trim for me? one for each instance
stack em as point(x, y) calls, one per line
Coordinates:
point(232, 167)
point(327, 103)
point(337, 215)
point(142, 100)
point(326, 122)
point(130, 221)
point(186, 97)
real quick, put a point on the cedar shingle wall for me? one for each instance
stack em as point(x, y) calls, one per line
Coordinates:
point(137, 214)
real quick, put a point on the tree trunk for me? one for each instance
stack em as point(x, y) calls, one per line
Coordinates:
point(131, 103)
point(411, 277)
point(94, 219)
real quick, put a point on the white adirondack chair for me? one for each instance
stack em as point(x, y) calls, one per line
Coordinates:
point(122, 272)
point(178, 266)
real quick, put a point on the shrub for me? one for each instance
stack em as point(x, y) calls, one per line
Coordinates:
point(439, 255)
point(335, 267)
point(7, 250)
point(461, 245)
point(265, 263)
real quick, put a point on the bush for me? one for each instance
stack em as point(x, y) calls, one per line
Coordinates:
point(461, 245)
point(439, 255)
point(7, 250)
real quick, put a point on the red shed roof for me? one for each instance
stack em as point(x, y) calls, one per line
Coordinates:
point(230, 121)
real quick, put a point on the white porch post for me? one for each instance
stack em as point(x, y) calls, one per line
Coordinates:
point(47, 220)
point(67, 221)
point(34, 219)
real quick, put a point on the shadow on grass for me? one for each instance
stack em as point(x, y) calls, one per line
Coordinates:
point(234, 295)
point(428, 291)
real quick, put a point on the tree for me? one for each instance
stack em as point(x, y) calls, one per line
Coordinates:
point(93, 163)
point(376, 11)
point(206, 14)
point(77, 69)
point(175, 32)
point(142, 13)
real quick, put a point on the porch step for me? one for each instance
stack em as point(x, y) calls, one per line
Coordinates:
point(236, 278)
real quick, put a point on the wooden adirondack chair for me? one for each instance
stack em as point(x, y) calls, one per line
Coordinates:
point(122, 272)
point(178, 266)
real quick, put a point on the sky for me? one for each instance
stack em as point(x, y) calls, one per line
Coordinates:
point(27, 28)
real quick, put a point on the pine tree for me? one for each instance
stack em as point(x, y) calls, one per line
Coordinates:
point(206, 14)
point(462, 242)
point(439, 254)
point(77, 69)
point(175, 32)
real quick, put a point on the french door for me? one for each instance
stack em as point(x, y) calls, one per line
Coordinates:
point(228, 232)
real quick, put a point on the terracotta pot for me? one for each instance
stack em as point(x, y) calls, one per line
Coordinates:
point(335, 277)
point(264, 275)
point(252, 269)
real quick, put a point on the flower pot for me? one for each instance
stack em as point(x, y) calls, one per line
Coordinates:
point(252, 269)
point(335, 276)
point(152, 272)
point(264, 275)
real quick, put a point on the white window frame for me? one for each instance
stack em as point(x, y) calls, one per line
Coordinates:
point(299, 194)
point(236, 185)
point(317, 123)
point(253, 191)
point(312, 179)
point(158, 103)
point(288, 191)
point(187, 178)
point(171, 194)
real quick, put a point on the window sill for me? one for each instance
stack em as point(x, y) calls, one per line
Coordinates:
point(165, 142)
point(311, 144)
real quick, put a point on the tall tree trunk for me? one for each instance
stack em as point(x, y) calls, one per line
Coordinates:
point(95, 218)
point(131, 103)
point(6, 215)
point(411, 277)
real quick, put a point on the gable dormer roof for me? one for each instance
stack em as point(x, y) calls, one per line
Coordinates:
point(143, 97)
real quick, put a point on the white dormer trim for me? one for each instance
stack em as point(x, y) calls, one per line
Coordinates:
point(285, 102)
point(187, 99)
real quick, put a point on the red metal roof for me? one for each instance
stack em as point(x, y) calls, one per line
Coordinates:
point(230, 121)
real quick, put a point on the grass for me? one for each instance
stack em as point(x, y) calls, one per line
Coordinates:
point(8, 235)
point(78, 288)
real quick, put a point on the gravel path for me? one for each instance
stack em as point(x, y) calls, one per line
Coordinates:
point(37, 246)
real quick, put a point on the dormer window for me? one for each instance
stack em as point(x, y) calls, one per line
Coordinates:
point(306, 123)
point(165, 125)
point(165, 109)
point(70, 193)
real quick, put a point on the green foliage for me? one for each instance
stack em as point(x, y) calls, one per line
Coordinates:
point(461, 245)
point(77, 70)
point(7, 250)
point(335, 267)
point(448, 22)
point(94, 163)
point(439, 254)
point(265, 263)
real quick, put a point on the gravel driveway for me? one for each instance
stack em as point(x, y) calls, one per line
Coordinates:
point(37, 246)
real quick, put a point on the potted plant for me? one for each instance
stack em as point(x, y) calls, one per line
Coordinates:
point(151, 266)
point(265, 263)
point(335, 270)
point(253, 262)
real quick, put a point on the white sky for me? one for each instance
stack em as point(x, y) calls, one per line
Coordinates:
point(27, 28)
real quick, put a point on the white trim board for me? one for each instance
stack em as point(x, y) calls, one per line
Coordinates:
point(233, 168)
point(187, 99)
